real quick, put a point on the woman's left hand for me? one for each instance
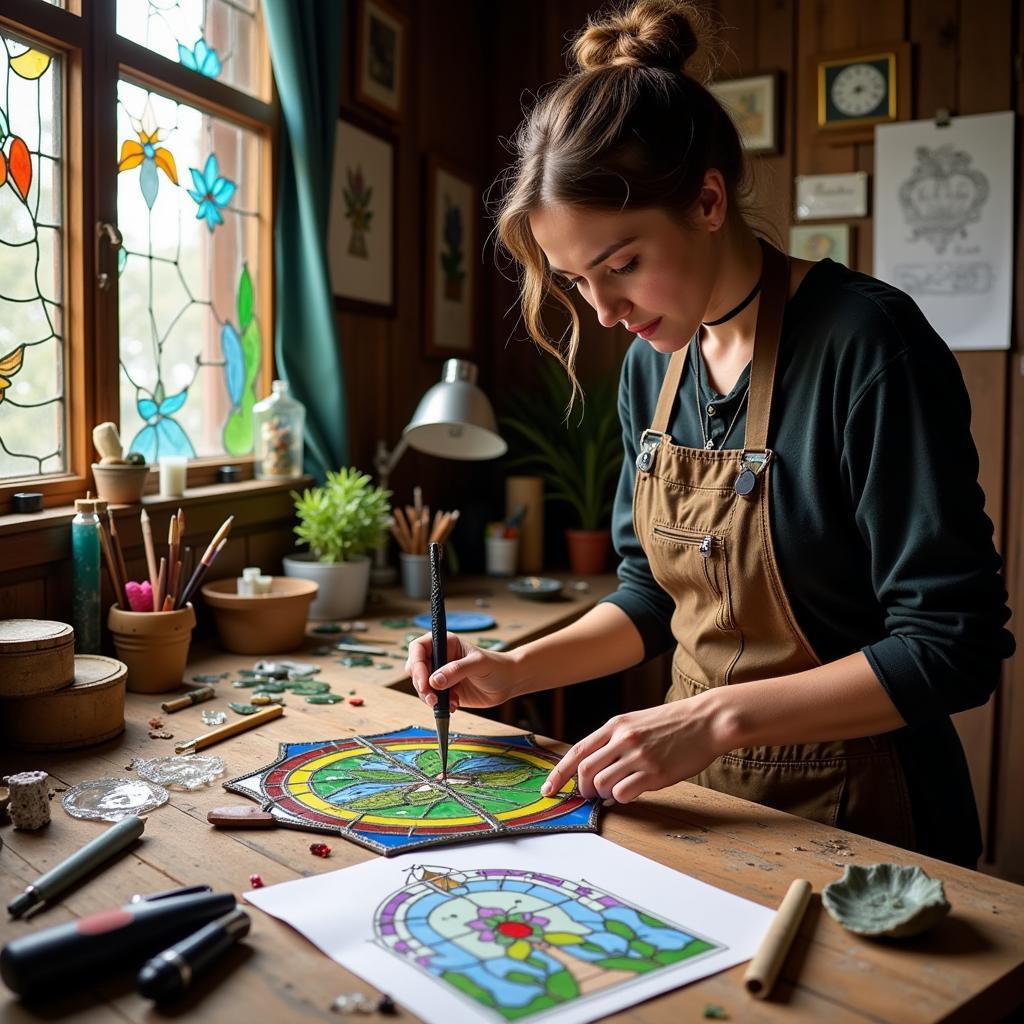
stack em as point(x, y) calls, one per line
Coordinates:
point(642, 750)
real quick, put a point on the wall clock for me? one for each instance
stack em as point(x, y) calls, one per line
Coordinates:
point(859, 89)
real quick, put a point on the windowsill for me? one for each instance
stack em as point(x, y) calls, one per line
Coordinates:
point(211, 494)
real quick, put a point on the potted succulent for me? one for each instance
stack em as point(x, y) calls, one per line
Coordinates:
point(339, 521)
point(579, 457)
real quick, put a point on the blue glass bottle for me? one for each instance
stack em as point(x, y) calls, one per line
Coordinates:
point(85, 557)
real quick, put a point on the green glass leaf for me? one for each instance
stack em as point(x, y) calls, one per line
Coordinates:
point(643, 948)
point(324, 698)
point(625, 963)
point(429, 762)
point(562, 985)
point(245, 709)
point(673, 956)
point(245, 298)
point(651, 922)
point(620, 929)
point(469, 987)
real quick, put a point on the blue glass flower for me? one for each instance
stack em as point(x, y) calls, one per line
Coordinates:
point(162, 434)
point(202, 58)
point(212, 192)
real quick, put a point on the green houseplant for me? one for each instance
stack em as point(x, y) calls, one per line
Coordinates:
point(579, 456)
point(339, 522)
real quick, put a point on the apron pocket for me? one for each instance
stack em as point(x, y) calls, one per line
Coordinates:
point(692, 566)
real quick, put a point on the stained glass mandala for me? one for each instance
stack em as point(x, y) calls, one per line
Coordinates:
point(386, 791)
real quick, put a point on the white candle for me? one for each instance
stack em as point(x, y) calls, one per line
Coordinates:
point(172, 475)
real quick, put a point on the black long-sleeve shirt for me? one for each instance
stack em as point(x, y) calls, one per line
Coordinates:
point(877, 519)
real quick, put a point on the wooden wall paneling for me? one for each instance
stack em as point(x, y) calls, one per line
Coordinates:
point(1009, 831)
point(23, 600)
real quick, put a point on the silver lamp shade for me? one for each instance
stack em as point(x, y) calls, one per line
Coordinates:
point(454, 419)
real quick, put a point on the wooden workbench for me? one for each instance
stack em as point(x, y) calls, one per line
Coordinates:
point(969, 968)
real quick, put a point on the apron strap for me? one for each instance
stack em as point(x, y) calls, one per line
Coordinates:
point(774, 293)
point(669, 390)
point(772, 305)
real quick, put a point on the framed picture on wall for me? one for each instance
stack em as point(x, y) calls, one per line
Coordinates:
point(753, 105)
point(820, 241)
point(361, 226)
point(381, 42)
point(451, 245)
point(859, 89)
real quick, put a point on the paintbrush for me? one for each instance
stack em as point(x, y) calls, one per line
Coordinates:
point(108, 558)
point(439, 653)
point(200, 571)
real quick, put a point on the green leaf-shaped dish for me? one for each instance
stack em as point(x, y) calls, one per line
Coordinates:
point(885, 900)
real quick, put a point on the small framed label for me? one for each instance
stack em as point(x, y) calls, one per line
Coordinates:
point(819, 196)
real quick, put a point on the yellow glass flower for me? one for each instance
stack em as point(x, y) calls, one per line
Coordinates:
point(148, 154)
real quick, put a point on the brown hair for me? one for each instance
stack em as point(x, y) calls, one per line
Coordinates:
point(632, 126)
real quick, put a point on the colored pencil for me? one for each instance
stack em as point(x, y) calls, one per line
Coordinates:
point(147, 540)
point(209, 557)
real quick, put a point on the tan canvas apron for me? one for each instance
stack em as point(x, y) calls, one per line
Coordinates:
point(710, 548)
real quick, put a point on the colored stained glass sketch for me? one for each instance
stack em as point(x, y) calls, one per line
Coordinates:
point(386, 791)
point(520, 943)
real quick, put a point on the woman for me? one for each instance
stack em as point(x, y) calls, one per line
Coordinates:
point(798, 513)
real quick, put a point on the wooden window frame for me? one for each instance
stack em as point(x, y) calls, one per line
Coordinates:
point(95, 57)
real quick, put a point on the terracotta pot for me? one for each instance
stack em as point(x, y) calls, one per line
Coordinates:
point(120, 485)
point(588, 550)
point(261, 623)
point(154, 646)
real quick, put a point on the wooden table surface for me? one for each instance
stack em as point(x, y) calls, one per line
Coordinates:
point(968, 968)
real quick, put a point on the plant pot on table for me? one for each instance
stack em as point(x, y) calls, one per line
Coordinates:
point(343, 585)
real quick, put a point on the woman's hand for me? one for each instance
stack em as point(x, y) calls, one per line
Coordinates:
point(641, 751)
point(476, 678)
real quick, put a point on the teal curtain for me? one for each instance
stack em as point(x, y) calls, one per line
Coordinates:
point(305, 49)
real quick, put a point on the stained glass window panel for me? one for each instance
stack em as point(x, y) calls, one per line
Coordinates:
point(221, 39)
point(191, 341)
point(32, 405)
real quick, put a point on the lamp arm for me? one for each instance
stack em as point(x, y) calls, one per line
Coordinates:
point(384, 461)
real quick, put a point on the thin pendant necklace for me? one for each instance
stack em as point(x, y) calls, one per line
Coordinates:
point(709, 443)
point(736, 310)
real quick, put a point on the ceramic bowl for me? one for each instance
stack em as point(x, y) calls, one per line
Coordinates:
point(885, 900)
point(120, 484)
point(536, 588)
point(261, 623)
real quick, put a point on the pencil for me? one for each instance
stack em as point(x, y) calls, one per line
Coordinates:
point(200, 571)
point(767, 962)
point(158, 592)
point(223, 732)
point(221, 534)
point(147, 540)
point(115, 542)
point(108, 559)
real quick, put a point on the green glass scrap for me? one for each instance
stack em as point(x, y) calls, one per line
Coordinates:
point(210, 678)
point(324, 698)
point(714, 1012)
point(356, 661)
point(396, 623)
point(244, 709)
point(271, 685)
point(244, 684)
point(328, 627)
point(310, 688)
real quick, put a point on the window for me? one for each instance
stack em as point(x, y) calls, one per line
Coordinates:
point(135, 233)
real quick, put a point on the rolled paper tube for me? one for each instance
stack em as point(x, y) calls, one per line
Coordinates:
point(764, 968)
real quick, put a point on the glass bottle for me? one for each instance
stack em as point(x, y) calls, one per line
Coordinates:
point(85, 557)
point(278, 424)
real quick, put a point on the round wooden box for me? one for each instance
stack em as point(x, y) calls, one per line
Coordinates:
point(90, 710)
point(36, 656)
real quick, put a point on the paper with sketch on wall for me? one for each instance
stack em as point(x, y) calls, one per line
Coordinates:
point(564, 928)
point(944, 223)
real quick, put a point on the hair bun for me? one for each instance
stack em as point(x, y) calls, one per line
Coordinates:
point(649, 33)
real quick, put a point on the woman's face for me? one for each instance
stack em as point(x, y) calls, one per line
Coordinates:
point(644, 269)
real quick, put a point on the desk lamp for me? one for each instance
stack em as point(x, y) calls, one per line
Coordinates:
point(454, 420)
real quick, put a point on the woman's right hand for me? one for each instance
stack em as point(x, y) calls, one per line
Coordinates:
point(476, 678)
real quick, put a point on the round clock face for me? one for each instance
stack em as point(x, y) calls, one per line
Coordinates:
point(858, 89)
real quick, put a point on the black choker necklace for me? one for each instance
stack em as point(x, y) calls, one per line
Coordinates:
point(736, 310)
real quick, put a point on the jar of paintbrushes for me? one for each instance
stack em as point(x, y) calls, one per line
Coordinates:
point(413, 530)
point(152, 619)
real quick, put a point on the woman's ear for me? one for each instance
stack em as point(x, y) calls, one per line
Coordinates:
point(713, 201)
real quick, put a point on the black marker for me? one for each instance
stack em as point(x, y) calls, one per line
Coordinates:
point(439, 653)
point(54, 958)
point(169, 973)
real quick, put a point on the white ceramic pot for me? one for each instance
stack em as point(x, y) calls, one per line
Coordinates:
point(343, 585)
